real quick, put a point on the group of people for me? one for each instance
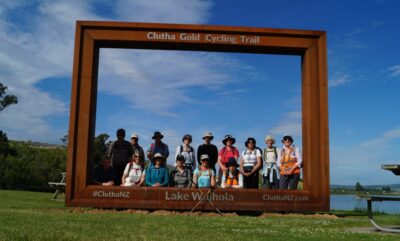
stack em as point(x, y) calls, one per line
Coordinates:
point(124, 164)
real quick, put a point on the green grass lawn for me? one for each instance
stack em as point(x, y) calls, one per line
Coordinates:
point(33, 216)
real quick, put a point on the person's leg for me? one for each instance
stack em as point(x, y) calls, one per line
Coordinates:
point(254, 180)
point(293, 181)
point(119, 170)
point(283, 182)
point(275, 180)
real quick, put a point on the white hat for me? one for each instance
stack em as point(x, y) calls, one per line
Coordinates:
point(134, 135)
point(208, 134)
point(204, 157)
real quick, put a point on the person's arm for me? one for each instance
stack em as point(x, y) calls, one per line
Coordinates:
point(141, 153)
point(190, 178)
point(199, 150)
point(166, 151)
point(236, 153)
point(223, 181)
point(258, 164)
point(195, 177)
point(165, 180)
point(177, 152)
point(299, 158)
point(212, 178)
point(221, 166)
point(240, 185)
point(148, 177)
point(142, 179)
point(241, 166)
point(194, 159)
point(125, 175)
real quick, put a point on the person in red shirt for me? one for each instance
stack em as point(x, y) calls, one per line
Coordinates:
point(228, 151)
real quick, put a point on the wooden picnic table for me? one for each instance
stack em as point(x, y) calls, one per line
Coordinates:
point(59, 186)
point(395, 168)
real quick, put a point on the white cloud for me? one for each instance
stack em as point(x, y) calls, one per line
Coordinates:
point(394, 71)
point(339, 80)
point(131, 74)
point(363, 161)
point(174, 11)
point(39, 45)
point(383, 139)
point(290, 124)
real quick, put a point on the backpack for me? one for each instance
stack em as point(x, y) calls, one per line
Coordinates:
point(224, 151)
point(265, 153)
point(191, 150)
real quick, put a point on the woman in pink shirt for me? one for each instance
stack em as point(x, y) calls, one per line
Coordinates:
point(227, 152)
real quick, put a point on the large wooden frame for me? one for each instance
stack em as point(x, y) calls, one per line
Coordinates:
point(310, 45)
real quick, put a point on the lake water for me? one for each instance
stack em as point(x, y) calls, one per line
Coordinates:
point(350, 202)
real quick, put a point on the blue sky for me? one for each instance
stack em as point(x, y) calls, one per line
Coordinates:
point(227, 93)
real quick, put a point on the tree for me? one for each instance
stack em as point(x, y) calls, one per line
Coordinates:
point(64, 139)
point(100, 147)
point(6, 100)
point(359, 188)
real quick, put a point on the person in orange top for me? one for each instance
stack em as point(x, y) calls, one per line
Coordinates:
point(289, 163)
point(232, 178)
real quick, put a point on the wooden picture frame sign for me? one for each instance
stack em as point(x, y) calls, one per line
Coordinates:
point(310, 45)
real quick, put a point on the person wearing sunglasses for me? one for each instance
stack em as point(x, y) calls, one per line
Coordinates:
point(209, 149)
point(188, 152)
point(289, 163)
point(250, 164)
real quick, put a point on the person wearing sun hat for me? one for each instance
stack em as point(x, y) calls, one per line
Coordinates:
point(289, 163)
point(158, 146)
point(134, 173)
point(227, 152)
point(204, 176)
point(209, 149)
point(157, 174)
point(180, 176)
point(250, 164)
point(270, 171)
point(187, 151)
point(135, 145)
point(232, 178)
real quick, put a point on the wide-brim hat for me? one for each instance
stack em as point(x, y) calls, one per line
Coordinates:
point(208, 134)
point(231, 162)
point(157, 134)
point(158, 156)
point(228, 137)
point(204, 157)
point(250, 139)
point(290, 138)
point(271, 138)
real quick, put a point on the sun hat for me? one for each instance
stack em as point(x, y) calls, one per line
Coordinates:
point(180, 157)
point(134, 135)
point(250, 139)
point(158, 156)
point(271, 138)
point(231, 162)
point(187, 136)
point(208, 134)
point(157, 134)
point(228, 137)
point(287, 137)
point(204, 157)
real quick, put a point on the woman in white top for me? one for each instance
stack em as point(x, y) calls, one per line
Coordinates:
point(250, 164)
point(188, 152)
point(134, 173)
